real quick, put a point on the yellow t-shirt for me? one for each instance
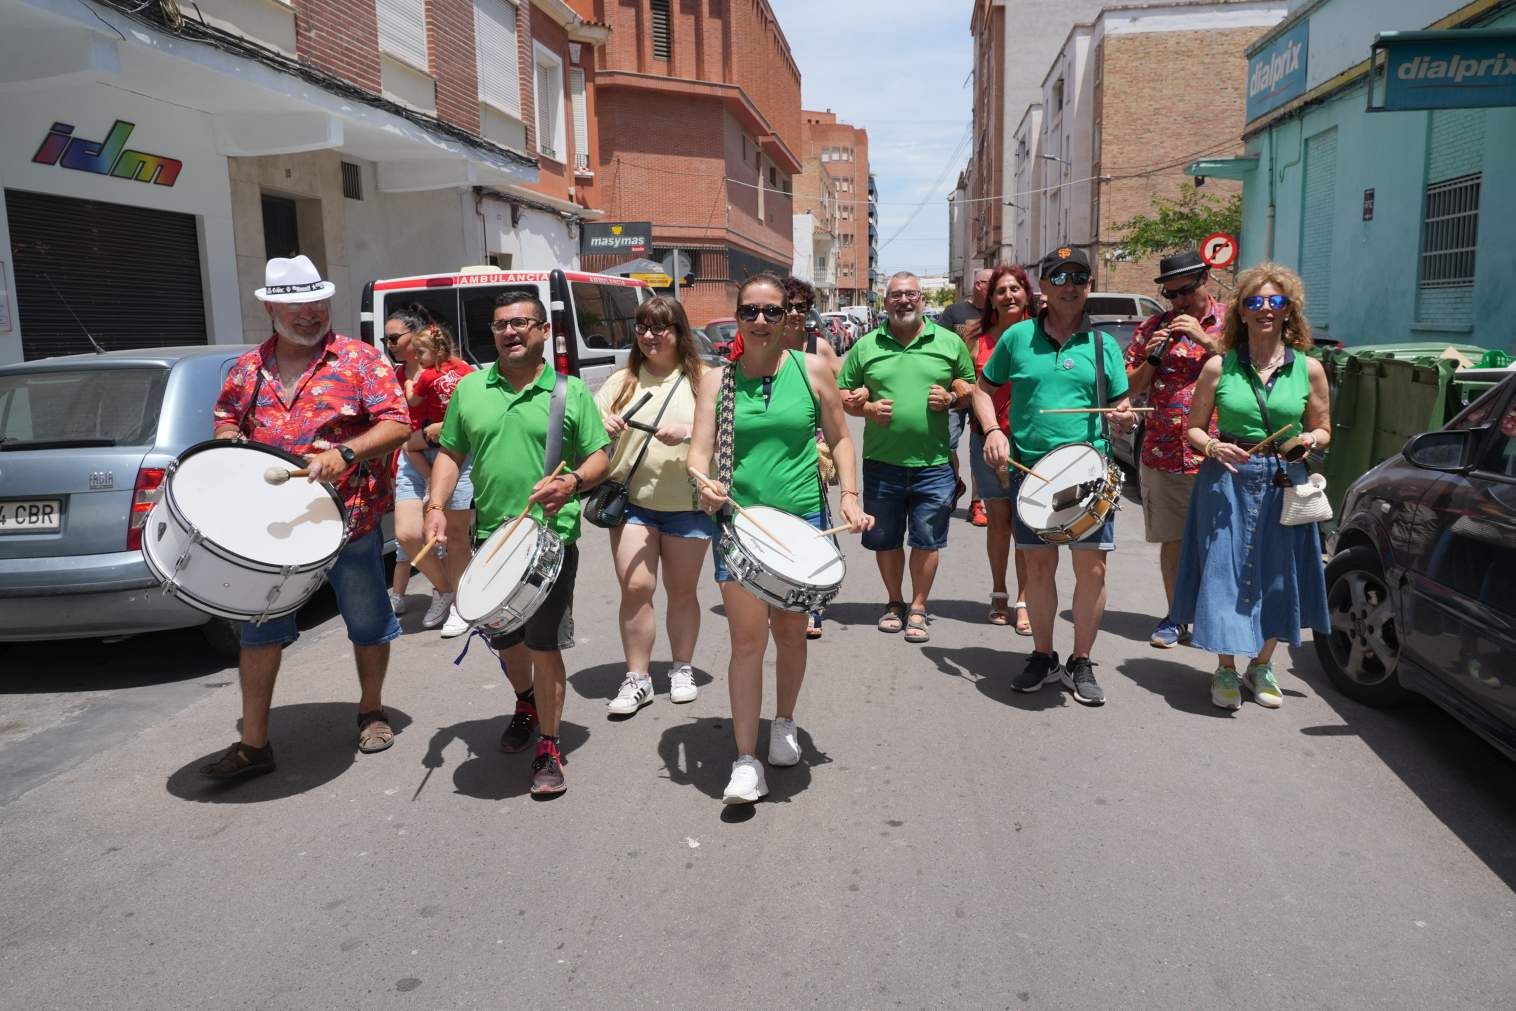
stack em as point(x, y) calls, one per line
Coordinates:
point(661, 483)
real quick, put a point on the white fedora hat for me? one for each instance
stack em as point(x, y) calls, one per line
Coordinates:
point(293, 280)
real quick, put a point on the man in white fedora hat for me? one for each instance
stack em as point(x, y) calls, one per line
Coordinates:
point(335, 402)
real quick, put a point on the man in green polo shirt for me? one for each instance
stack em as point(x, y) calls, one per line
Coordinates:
point(1050, 362)
point(904, 377)
point(500, 417)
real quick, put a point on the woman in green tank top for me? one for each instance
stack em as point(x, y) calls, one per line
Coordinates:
point(1245, 579)
point(781, 397)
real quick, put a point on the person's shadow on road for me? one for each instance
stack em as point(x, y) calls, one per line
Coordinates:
point(486, 772)
point(314, 743)
point(698, 753)
point(990, 671)
point(1184, 686)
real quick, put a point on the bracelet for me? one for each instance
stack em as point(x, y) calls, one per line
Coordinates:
point(432, 505)
point(1210, 447)
point(849, 491)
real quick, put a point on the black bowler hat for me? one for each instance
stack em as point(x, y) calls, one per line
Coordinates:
point(1063, 256)
point(1180, 265)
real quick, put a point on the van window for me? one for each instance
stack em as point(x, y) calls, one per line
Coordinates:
point(1149, 307)
point(478, 311)
point(1111, 305)
point(605, 313)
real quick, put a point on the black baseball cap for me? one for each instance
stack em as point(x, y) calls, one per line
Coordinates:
point(1063, 256)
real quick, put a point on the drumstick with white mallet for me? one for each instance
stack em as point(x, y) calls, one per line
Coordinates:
point(741, 511)
point(279, 475)
point(522, 515)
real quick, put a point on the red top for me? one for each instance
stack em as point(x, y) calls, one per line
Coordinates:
point(1164, 446)
point(345, 391)
point(435, 388)
point(984, 346)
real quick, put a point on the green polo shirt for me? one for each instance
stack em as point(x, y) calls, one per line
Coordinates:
point(1043, 375)
point(506, 432)
point(916, 436)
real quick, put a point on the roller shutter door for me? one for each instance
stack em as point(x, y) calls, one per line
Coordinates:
point(1316, 230)
point(131, 275)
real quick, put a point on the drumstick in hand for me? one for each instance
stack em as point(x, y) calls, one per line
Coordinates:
point(1027, 470)
point(743, 512)
point(1094, 410)
point(835, 530)
point(279, 475)
point(521, 516)
point(1265, 443)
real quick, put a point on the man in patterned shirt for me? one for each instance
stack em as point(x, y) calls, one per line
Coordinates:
point(1163, 361)
point(334, 401)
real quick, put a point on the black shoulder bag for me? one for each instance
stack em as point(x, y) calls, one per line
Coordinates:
point(606, 505)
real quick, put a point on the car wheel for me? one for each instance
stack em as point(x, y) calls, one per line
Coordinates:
point(224, 637)
point(1362, 651)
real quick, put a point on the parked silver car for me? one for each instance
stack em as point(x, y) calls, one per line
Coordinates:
point(85, 441)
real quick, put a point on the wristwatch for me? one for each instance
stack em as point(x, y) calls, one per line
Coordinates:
point(348, 456)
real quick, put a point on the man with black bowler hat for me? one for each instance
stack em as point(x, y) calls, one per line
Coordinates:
point(1163, 361)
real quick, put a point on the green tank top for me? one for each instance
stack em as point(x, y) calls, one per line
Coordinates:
point(774, 460)
point(1237, 412)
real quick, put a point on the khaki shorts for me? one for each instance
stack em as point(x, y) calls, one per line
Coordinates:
point(1165, 504)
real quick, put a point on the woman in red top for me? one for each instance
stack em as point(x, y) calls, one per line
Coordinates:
point(1009, 295)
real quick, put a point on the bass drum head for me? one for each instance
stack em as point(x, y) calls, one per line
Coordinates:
point(493, 575)
point(804, 558)
point(1065, 467)
point(219, 490)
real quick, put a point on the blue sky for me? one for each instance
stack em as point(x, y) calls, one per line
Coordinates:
point(899, 70)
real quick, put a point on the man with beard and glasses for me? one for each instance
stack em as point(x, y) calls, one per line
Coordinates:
point(904, 378)
point(334, 401)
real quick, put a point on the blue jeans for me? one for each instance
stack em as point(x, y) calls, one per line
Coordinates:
point(986, 484)
point(409, 484)
point(921, 497)
point(724, 576)
point(691, 523)
point(362, 598)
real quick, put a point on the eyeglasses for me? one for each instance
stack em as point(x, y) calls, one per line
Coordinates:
point(1255, 302)
point(772, 313)
point(394, 338)
point(903, 296)
point(518, 323)
point(1079, 278)
point(1173, 293)
point(655, 329)
point(800, 307)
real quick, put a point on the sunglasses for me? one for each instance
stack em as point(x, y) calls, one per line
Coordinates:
point(748, 312)
point(643, 329)
point(1063, 277)
point(1173, 293)
point(517, 323)
point(800, 307)
point(1255, 302)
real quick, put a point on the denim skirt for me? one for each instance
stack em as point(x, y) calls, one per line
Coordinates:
point(1243, 577)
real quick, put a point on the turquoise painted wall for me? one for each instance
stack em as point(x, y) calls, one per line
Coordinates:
point(1375, 264)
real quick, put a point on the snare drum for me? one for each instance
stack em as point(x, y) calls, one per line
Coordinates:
point(501, 589)
point(1082, 490)
point(226, 542)
point(802, 575)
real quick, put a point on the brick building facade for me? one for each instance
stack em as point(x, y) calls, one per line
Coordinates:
point(844, 151)
point(699, 123)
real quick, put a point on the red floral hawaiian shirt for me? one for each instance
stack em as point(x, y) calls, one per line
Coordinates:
point(345, 391)
point(1164, 446)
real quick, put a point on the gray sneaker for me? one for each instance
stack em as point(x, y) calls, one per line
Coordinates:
point(1041, 669)
point(1079, 675)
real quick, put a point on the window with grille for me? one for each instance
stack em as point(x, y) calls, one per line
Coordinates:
point(549, 77)
point(495, 48)
point(663, 43)
point(581, 119)
point(1449, 232)
point(352, 181)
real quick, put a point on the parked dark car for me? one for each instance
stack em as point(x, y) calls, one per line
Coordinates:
point(1422, 578)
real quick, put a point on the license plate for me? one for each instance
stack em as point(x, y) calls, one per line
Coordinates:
point(35, 516)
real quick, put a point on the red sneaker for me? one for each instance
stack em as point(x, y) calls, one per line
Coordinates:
point(547, 770)
point(977, 515)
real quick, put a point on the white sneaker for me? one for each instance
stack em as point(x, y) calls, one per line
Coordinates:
point(682, 683)
point(438, 609)
point(636, 692)
point(397, 603)
point(747, 784)
point(784, 747)
point(455, 625)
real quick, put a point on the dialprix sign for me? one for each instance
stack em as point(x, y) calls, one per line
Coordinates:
point(108, 157)
point(632, 238)
point(1276, 73)
point(1447, 70)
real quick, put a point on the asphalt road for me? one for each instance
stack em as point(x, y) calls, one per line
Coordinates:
point(945, 841)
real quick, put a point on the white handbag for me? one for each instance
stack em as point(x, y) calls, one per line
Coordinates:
point(1306, 503)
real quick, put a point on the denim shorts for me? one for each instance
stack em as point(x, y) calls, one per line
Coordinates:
point(1103, 539)
point(411, 486)
point(957, 422)
point(362, 598)
point(986, 483)
point(897, 497)
point(816, 520)
point(691, 523)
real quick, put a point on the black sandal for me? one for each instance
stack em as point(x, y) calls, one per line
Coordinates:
point(374, 733)
point(241, 762)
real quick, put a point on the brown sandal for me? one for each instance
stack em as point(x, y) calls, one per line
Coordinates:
point(893, 619)
point(374, 733)
point(915, 626)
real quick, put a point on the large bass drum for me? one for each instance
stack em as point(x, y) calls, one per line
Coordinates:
point(225, 541)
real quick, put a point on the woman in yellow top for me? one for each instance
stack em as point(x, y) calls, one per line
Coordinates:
point(663, 526)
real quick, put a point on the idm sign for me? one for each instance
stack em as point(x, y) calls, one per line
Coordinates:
point(1470, 69)
point(1276, 73)
point(108, 157)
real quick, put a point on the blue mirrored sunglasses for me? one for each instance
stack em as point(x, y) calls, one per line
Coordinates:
point(1255, 302)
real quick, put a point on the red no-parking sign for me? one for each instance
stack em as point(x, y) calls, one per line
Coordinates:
point(1219, 250)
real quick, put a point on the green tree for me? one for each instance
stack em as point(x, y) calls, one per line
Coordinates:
point(941, 297)
point(1180, 223)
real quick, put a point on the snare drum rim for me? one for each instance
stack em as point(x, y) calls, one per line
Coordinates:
point(228, 554)
point(731, 537)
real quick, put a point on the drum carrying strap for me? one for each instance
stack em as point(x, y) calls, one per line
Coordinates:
point(1100, 399)
point(554, 450)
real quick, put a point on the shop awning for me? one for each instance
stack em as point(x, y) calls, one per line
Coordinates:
point(1223, 168)
point(1466, 68)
